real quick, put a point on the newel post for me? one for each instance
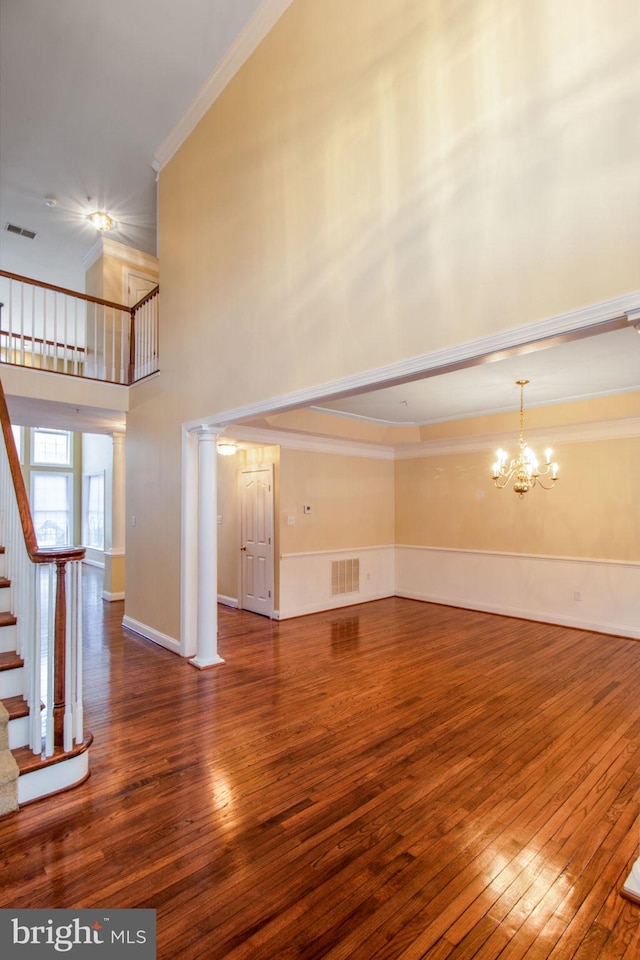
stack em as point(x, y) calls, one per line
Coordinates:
point(132, 347)
point(207, 579)
point(60, 642)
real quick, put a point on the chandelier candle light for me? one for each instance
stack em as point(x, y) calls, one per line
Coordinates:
point(524, 471)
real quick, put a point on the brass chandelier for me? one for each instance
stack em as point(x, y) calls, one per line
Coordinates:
point(524, 471)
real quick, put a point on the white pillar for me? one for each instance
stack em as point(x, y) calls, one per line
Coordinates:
point(114, 554)
point(631, 887)
point(118, 494)
point(207, 599)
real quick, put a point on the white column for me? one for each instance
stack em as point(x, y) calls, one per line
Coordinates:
point(118, 494)
point(207, 599)
point(631, 887)
point(114, 554)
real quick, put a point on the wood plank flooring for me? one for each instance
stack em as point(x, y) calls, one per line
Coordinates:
point(394, 781)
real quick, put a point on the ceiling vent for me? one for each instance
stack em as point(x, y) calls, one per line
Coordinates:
point(29, 234)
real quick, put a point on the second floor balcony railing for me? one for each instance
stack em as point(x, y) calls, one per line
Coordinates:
point(50, 328)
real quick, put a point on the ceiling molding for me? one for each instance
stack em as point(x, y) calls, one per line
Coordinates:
point(299, 441)
point(480, 443)
point(249, 38)
point(572, 433)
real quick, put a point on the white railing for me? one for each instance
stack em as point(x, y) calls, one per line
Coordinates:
point(51, 328)
point(46, 600)
point(144, 336)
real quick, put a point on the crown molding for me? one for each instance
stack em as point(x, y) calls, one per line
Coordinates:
point(299, 441)
point(481, 443)
point(573, 433)
point(249, 38)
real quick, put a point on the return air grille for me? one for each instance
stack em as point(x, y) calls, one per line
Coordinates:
point(345, 576)
point(21, 231)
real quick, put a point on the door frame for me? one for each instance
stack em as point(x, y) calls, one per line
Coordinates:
point(248, 468)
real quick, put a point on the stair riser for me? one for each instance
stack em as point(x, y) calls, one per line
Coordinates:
point(11, 683)
point(8, 638)
point(18, 733)
point(5, 599)
point(53, 779)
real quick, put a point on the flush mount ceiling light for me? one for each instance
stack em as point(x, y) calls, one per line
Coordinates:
point(524, 470)
point(101, 220)
point(226, 448)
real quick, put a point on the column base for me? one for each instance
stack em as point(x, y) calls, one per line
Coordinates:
point(204, 664)
point(631, 887)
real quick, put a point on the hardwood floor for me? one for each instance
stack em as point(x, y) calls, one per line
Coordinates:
point(395, 780)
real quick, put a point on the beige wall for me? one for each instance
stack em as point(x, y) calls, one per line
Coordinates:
point(107, 276)
point(351, 500)
point(382, 179)
point(592, 512)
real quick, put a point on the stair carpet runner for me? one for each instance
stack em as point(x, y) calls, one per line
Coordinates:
point(9, 770)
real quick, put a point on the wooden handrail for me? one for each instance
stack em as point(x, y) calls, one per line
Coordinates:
point(81, 296)
point(36, 554)
point(148, 296)
point(59, 556)
point(132, 334)
point(124, 311)
point(69, 293)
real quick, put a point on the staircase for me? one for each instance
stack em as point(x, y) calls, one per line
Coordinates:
point(43, 749)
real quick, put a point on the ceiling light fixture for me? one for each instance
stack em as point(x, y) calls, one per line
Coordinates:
point(524, 471)
point(101, 221)
point(226, 448)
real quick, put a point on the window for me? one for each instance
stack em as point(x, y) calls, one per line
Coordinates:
point(51, 500)
point(17, 436)
point(51, 447)
point(93, 508)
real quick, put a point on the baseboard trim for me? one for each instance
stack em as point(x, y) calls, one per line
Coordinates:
point(228, 601)
point(335, 603)
point(519, 613)
point(148, 633)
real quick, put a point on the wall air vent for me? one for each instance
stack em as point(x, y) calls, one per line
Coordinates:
point(345, 576)
point(21, 231)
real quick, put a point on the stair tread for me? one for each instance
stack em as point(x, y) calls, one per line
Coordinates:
point(7, 619)
point(16, 707)
point(10, 660)
point(28, 761)
point(4, 582)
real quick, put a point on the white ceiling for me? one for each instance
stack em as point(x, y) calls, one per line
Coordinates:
point(88, 92)
point(89, 89)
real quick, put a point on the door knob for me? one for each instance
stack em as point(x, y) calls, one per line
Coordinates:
point(243, 548)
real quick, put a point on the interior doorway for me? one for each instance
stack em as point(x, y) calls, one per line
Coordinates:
point(256, 539)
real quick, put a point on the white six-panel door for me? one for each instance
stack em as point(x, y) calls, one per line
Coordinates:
point(256, 512)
